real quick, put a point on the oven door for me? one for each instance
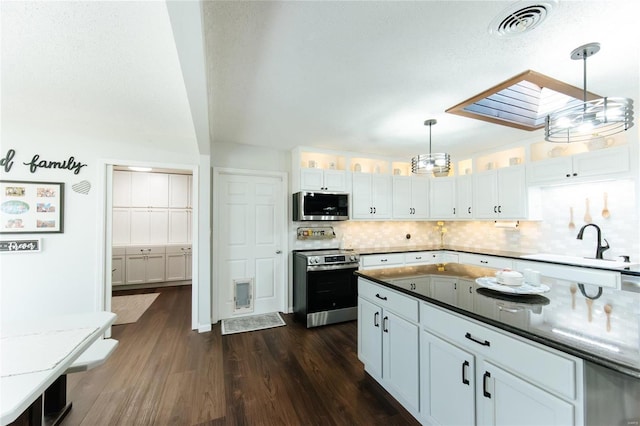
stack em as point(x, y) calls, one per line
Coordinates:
point(329, 289)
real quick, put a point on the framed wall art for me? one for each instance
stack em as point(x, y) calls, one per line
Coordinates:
point(31, 207)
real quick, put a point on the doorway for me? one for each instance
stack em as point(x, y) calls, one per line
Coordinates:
point(168, 224)
point(250, 223)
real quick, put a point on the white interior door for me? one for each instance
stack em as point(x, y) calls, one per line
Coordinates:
point(251, 228)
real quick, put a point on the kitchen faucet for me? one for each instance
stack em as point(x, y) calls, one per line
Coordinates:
point(600, 248)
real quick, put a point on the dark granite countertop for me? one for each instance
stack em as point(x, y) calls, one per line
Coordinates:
point(633, 269)
point(558, 318)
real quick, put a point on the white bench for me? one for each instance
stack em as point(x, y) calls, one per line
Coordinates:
point(93, 357)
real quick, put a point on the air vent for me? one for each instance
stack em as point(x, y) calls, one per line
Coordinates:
point(520, 18)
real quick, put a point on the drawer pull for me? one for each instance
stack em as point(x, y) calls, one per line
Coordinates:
point(418, 257)
point(381, 297)
point(385, 320)
point(375, 319)
point(485, 378)
point(465, 381)
point(384, 260)
point(484, 261)
point(481, 342)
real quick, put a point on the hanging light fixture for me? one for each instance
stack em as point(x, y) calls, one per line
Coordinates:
point(584, 121)
point(436, 163)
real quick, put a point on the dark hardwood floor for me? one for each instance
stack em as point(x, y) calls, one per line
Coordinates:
point(163, 373)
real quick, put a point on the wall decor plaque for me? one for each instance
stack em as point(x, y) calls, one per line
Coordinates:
point(20, 246)
point(31, 207)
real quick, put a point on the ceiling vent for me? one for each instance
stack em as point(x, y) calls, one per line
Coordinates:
point(522, 101)
point(520, 18)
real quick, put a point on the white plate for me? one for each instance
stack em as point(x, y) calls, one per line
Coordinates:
point(492, 284)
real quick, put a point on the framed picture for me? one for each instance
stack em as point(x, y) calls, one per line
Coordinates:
point(31, 207)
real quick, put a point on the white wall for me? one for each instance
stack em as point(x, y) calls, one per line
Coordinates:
point(63, 277)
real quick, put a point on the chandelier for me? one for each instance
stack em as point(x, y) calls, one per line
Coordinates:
point(437, 163)
point(583, 121)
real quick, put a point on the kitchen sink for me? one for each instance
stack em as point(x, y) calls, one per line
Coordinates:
point(577, 260)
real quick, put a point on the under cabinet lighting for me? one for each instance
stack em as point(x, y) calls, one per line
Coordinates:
point(512, 224)
point(139, 169)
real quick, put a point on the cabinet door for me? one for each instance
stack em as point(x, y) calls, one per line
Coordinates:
point(603, 162)
point(506, 399)
point(158, 187)
point(155, 265)
point(121, 227)
point(551, 170)
point(402, 197)
point(188, 265)
point(361, 204)
point(118, 270)
point(175, 267)
point(158, 226)
point(335, 180)
point(464, 197)
point(370, 336)
point(311, 179)
point(381, 196)
point(512, 193)
point(485, 195)
point(140, 189)
point(140, 226)
point(136, 269)
point(442, 196)
point(179, 226)
point(447, 382)
point(121, 188)
point(400, 358)
point(420, 197)
point(179, 191)
point(465, 292)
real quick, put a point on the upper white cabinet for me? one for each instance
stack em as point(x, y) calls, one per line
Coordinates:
point(149, 226)
point(149, 190)
point(464, 197)
point(180, 191)
point(410, 197)
point(500, 194)
point(371, 198)
point(442, 198)
point(323, 180)
point(589, 165)
point(121, 188)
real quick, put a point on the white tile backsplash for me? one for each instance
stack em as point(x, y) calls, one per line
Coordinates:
point(550, 235)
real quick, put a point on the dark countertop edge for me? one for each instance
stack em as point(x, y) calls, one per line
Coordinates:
point(488, 252)
point(621, 368)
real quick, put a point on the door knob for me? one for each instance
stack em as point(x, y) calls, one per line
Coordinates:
point(278, 251)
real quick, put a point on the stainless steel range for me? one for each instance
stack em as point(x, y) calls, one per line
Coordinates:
point(325, 289)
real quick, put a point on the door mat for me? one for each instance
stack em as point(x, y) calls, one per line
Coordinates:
point(251, 323)
point(130, 308)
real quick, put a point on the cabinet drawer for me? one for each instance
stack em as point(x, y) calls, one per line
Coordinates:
point(486, 261)
point(386, 298)
point(388, 259)
point(541, 366)
point(421, 257)
point(178, 249)
point(132, 250)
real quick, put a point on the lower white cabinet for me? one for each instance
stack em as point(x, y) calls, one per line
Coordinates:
point(118, 262)
point(388, 336)
point(178, 263)
point(472, 374)
point(145, 264)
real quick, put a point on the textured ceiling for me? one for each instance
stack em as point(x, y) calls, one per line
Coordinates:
point(363, 76)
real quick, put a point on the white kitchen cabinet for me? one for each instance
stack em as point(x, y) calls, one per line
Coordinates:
point(388, 337)
point(179, 226)
point(445, 289)
point(149, 189)
point(447, 382)
point(371, 196)
point(419, 284)
point(179, 191)
point(464, 197)
point(410, 197)
point(464, 295)
point(486, 261)
point(580, 167)
point(121, 188)
point(118, 265)
point(149, 226)
point(442, 198)
point(500, 194)
point(121, 226)
point(385, 260)
point(516, 382)
point(145, 264)
point(178, 263)
point(323, 180)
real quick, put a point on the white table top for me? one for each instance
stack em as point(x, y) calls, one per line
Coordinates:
point(19, 391)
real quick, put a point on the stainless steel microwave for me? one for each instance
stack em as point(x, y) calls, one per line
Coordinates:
point(309, 205)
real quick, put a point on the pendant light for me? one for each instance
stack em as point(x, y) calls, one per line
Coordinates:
point(436, 163)
point(584, 121)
